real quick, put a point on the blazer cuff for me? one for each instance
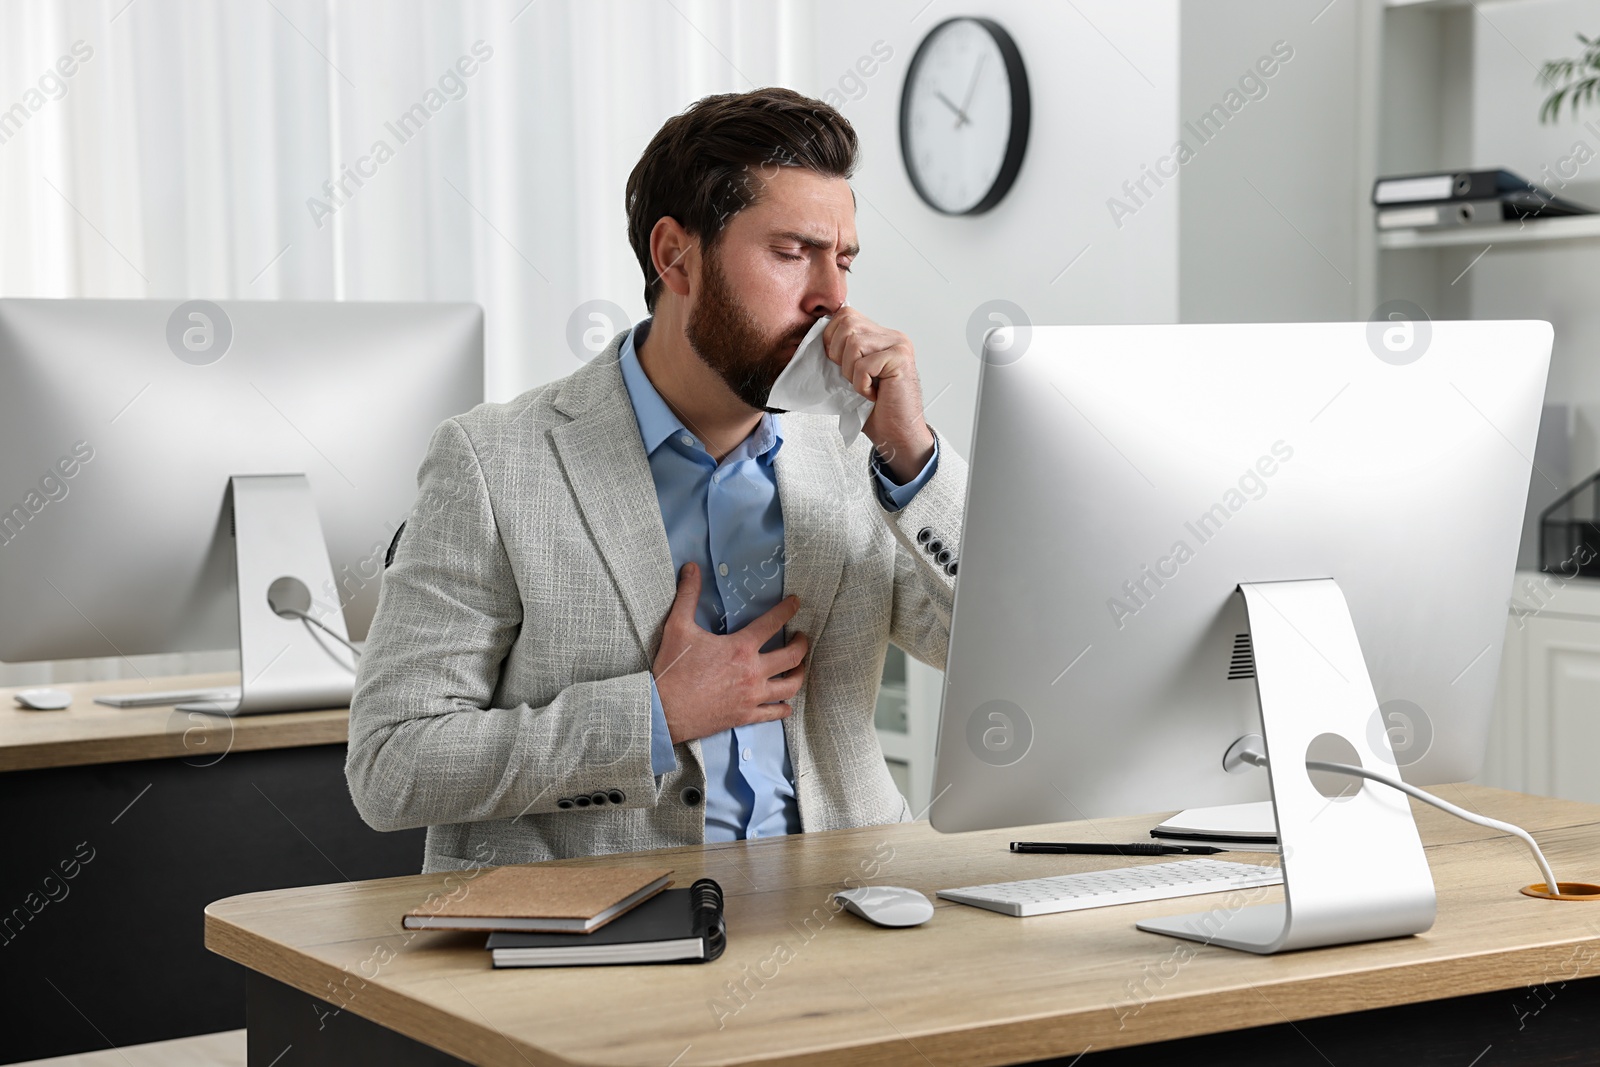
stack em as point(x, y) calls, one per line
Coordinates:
point(930, 523)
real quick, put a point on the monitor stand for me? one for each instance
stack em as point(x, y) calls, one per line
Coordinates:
point(1353, 867)
point(285, 664)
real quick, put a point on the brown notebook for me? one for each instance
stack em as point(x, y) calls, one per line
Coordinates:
point(572, 900)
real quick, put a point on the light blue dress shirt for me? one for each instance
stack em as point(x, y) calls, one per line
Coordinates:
point(726, 519)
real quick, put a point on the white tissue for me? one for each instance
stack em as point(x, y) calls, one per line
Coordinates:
point(813, 384)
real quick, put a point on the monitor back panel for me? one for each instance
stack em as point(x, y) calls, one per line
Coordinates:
point(130, 551)
point(1125, 479)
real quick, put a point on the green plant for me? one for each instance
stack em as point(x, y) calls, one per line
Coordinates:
point(1576, 80)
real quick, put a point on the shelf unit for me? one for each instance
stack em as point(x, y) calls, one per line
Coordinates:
point(1437, 107)
point(1572, 228)
point(1544, 735)
point(1456, 90)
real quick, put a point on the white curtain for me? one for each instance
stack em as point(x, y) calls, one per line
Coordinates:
point(189, 150)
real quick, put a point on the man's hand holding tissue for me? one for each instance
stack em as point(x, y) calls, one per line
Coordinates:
point(882, 367)
point(710, 682)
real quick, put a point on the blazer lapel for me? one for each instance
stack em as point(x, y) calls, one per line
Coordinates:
point(603, 458)
point(810, 483)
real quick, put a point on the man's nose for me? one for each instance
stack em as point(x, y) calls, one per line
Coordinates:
point(827, 291)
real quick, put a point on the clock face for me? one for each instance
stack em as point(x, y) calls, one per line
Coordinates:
point(964, 116)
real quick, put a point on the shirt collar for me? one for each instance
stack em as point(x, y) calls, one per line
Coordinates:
point(657, 422)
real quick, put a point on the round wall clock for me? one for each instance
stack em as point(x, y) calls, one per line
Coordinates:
point(964, 115)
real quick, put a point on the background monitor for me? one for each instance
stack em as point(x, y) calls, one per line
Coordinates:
point(121, 422)
point(1125, 479)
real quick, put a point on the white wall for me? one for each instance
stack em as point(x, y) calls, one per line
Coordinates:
point(1558, 282)
point(1103, 80)
point(1269, 230)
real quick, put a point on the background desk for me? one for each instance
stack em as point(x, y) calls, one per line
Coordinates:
point(172, 811)
point(969, 987)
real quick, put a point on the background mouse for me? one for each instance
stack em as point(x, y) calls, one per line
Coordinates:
point(887, 905)
point(43, 699)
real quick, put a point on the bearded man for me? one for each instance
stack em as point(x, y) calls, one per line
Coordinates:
point(637, 607)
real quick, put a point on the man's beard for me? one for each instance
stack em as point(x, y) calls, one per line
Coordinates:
point(726, 337)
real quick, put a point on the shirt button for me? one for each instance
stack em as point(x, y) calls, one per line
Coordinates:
point(686, 439)
point(755, 833)
point(722, 569)
point(745, 755)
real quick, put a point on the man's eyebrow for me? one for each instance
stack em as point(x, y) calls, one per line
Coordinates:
point(812, 241)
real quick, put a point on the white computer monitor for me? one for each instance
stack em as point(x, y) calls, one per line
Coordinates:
point(1126, 481)
point(126, 426)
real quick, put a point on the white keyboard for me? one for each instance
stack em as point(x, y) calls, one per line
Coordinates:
point(1120, 885)
point(227, 694)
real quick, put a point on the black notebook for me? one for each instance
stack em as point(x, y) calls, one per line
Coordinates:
point(674, 926)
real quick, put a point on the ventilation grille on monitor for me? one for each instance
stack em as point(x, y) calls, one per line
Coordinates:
point(1243, 663)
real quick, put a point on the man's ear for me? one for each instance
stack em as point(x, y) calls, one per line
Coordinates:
point(673, 250)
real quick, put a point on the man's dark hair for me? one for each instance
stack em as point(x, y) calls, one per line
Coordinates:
point(707, 164)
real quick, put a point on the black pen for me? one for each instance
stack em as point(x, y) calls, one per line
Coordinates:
point(1138, 848)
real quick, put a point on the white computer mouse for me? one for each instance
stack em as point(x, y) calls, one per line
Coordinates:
point(887, 905)
point(43, 699)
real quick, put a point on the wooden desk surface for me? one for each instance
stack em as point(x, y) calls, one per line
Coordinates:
point(968, 987)
point(88, 732)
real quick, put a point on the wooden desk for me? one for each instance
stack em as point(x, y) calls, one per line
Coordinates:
point(969, 987)
point(172, 810)
point(88, 732)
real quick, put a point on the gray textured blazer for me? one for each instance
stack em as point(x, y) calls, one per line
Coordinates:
point(504, 691)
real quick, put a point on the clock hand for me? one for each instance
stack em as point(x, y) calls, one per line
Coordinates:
point(960, 115)
point(973, 87)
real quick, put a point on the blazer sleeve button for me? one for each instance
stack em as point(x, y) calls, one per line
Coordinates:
point(691, 796)
point(950, 568)
point(564, 803)
point(934, 547)
point(599, 798)
point(944, 556)
point(924, 535)
point(581, 800)
point(616, 796)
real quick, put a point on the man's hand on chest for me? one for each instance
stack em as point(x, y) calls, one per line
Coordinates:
point(710, 682)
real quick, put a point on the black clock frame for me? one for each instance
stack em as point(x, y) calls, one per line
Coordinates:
point(1021, 115)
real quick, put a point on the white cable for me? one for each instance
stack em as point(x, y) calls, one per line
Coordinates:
point(303, 617)
point(1251, 756)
